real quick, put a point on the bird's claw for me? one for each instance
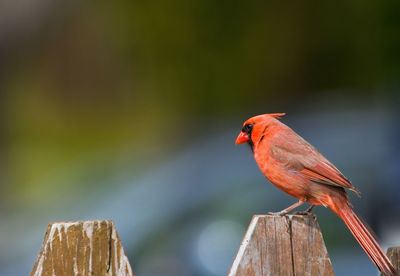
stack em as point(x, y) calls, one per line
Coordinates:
point(303, 213)
point(280, 214)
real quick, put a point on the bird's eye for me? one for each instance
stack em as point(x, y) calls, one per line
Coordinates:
point(247, 128)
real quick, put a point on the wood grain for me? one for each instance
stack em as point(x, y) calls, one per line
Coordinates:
point(394, 255)
point(82, 248)
point(282, 245)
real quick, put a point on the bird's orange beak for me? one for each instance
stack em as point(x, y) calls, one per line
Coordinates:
point(242, 138)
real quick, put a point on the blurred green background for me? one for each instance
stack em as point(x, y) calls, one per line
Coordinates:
point(129, 111)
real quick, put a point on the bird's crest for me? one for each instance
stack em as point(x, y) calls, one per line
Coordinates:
point(277, 115)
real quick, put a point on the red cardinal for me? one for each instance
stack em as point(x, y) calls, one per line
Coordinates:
point(297, 168)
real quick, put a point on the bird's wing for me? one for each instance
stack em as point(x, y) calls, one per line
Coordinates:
point(295, 153)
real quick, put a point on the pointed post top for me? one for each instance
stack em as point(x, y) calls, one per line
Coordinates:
point(282, 245)
point(82, 248)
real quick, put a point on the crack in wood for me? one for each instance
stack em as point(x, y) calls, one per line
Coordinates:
point(293, 246)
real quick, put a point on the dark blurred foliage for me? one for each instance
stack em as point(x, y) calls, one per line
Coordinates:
point(91, 91)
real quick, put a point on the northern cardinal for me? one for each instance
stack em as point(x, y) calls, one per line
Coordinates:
point(296, 167)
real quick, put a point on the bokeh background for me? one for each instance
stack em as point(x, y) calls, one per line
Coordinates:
point(129, 111)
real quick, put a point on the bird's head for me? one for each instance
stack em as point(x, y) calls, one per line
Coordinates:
point(254, 128)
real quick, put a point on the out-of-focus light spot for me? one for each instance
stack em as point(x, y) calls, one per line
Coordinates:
point(391, 234)
point(217, 245)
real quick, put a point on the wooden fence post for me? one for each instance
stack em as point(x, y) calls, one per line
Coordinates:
point(282, 245)
point(82, 248)
point(394, 255)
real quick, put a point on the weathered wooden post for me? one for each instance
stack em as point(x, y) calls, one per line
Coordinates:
point(282, 245)
point(394, 255)
point(82, 248)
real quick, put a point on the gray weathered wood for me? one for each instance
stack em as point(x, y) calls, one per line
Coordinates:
point(282, 245)
point(394, 255)
point(82, 248)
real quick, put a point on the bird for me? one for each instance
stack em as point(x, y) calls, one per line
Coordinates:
point(296, 167)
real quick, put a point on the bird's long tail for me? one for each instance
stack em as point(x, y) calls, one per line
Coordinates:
point(364, 238)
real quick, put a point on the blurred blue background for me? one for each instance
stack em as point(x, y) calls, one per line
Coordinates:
point(129, 111)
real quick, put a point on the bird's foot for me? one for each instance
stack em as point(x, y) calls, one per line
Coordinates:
point(288, 209)
point(306, 212)
point(303, 213)
point(280, 214)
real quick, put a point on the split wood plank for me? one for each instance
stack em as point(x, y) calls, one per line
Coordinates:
point(394, 256)
point(282, 245)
